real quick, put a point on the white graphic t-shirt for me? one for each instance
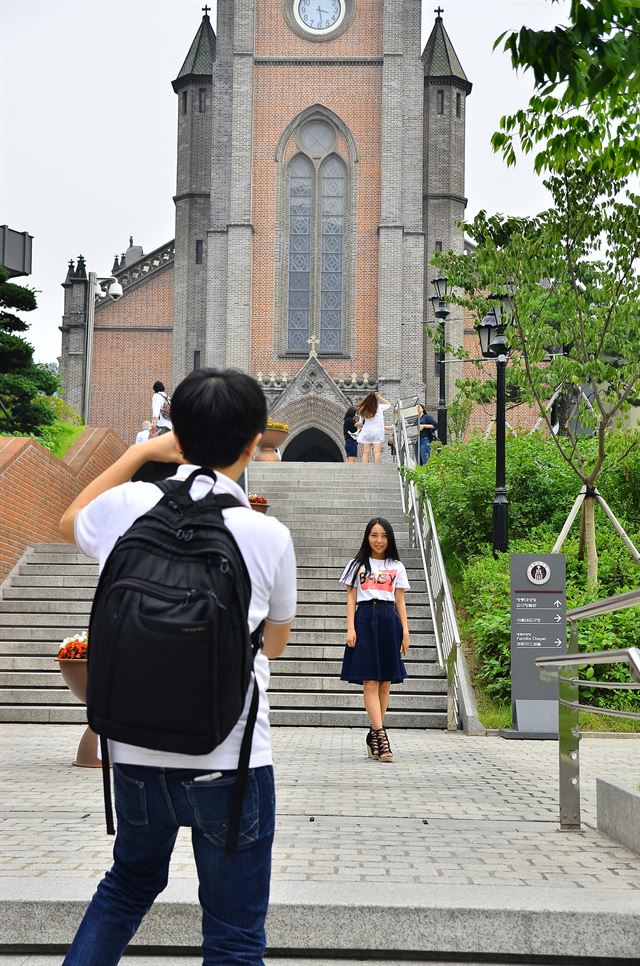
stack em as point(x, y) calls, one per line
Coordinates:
point(385, 578)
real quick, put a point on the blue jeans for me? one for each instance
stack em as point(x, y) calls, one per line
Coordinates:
point(151, 805)
point(425, 450)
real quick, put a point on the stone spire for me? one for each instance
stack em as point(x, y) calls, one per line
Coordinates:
point(440, 59)
point(70, 271)
point(198, 64)
point(81, 268)
point(116, 264)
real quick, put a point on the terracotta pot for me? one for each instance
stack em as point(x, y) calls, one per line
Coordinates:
point(272, 438)
point(260, 507)
point(266, 454)
point(74, 675)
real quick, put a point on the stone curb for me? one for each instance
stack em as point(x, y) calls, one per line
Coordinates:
point(351, 918)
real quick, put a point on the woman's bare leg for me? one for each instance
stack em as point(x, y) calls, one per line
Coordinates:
point(377, 449)
point(366, 449)
point(384, 693)
point(352, 459)
point(372, 703)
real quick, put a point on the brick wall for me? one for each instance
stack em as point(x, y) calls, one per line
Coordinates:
point(131, 349)
point(36, 487)
point(482, 419)
point(281, 92)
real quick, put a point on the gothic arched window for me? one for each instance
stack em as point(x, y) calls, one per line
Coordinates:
point(301, 183)
point(316, 272)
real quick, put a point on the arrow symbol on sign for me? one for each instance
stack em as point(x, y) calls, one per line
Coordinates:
point(557, 603)
point(558, 642)
point(557, 618)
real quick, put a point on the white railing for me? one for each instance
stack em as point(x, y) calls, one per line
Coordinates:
point(461, 705)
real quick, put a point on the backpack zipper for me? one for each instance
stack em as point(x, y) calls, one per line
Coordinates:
point(162, 593)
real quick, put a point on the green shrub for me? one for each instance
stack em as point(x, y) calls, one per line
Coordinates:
point(483, 596)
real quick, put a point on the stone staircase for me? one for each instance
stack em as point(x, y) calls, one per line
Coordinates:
point(326, 506)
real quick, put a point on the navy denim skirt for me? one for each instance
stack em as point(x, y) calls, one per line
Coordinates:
point(350, 446)
point(376, 656)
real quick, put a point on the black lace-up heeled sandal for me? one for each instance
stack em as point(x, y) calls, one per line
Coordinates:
point(384, 748)
point(373, 747)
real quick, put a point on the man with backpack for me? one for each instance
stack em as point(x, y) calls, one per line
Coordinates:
point(171, 675)
point(160, 410)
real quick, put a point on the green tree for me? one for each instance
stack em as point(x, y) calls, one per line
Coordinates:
point(575, 308)
point(23, 383)
point(586, 100)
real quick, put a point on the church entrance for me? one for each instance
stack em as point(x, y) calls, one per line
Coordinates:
point(312, 446)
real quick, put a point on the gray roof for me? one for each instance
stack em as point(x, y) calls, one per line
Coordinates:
point(440, 59)
point(202, 53)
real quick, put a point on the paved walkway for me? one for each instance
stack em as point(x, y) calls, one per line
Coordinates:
point(451, 810)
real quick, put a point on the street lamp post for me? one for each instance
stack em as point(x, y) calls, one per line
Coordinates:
point(441, 312)
point(494, 346)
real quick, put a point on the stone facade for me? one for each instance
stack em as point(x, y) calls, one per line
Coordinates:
point(246, 97)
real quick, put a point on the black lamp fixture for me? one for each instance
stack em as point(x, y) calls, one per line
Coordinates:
point(493, 345)
point(441, 312)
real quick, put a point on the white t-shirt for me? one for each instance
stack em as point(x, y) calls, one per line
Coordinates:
point(373, 428)
point(266, 547)
point(385, 578)
point(157, 402)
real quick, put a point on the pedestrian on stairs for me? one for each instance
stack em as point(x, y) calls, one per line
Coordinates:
point(372, 410)
point(377, 628)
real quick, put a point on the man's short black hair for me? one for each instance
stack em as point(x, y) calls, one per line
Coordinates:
point(215, 412)
point(158, 386)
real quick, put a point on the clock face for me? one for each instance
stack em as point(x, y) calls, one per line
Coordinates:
point(319, 16)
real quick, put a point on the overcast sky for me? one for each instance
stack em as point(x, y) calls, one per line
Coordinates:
point(88, 125)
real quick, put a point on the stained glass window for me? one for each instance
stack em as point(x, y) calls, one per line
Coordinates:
point(299, 288)
point(333, 182)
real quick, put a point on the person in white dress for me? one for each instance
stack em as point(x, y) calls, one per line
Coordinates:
point(372, 410)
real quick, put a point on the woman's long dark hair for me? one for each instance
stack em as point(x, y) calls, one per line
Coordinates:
point(361, 559)
point(368, 406)
point(347, 423)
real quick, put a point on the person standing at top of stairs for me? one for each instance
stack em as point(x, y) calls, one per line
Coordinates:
point(377, 627)
point(372, 410)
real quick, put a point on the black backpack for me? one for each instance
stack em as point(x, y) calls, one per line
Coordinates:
point(170, 653)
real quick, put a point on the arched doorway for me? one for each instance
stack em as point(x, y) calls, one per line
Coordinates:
point(312, 446)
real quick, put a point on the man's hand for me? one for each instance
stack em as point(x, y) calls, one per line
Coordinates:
point(163, 448)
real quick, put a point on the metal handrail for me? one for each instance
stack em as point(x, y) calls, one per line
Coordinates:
point(461, 706)
point(569, 691)
point(618, 602)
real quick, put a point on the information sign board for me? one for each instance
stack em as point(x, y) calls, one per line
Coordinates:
point(538, 627)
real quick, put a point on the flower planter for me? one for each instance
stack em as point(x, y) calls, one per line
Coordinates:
point(271, 438)
point(74, 675)
point(260, 507)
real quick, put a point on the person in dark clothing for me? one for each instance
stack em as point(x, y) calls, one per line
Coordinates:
point(349, 428)
point(427, 427)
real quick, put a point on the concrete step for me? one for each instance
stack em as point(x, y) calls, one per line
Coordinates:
point(42, 611)
point(48, 626)
point(87, 569)
point(38, 660)
point(349, 923)
point(305, 718)
point(338, 699)
point(47, 677)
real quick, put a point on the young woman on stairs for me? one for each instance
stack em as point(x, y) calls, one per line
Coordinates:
point(377, 628)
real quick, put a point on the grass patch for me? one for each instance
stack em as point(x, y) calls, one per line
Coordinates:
point(496, 714)
point(66, 438)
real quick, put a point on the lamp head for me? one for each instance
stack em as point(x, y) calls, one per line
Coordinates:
point(440, 283)
point(486, 330)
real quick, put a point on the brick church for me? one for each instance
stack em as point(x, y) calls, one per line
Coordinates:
point(320, 164)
